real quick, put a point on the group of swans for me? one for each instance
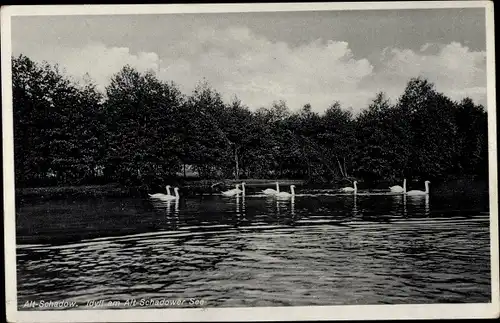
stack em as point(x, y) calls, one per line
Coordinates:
point(399, 189)
point(269, 191)
point(167, 196)
point(232, 192)
point(277, 193)
point(393, 189)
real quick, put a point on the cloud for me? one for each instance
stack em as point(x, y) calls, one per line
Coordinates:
point(454, 69)
point(236, 61)
point(98, 60)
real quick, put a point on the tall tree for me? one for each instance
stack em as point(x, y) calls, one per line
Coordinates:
point(338, 139)
point(375, 140)
point(431, 116)
point(144, 130)
point(472, 145)
point(242, 134)
point(144, 141)
point(205, 143)
point(56, 124)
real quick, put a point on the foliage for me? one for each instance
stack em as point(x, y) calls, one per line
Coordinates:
point(58, 128)
point(144, 142)
point(143, 131)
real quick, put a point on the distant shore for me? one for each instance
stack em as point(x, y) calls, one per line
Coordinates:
point(66, 191)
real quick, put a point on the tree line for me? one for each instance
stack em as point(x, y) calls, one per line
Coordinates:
point(143, 131)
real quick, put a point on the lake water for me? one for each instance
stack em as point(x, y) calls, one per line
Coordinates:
point(317, 248)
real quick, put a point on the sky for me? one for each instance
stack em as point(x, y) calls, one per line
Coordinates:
point(315, 57)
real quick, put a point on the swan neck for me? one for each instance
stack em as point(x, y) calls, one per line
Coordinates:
point(168, 190)
point(404, 185)
point(277, 187)
point(292, 189)
point(426, 187)
point(177, 193)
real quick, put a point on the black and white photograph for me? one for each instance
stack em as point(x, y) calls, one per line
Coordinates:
point(250, 162)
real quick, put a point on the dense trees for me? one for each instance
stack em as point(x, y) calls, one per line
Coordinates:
point(142, 131)
point(58, 129)
point(142, 142)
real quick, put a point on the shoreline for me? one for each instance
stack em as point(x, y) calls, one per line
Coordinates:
point(65, 215)
point(212, 187)
point(189, 187)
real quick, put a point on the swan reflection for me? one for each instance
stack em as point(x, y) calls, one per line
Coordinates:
point(405, 210)
point(355, 206)
point(240, 205)
point(278, 210)
point(171, 208)
point(239, 209)
point(176, 208)
point(418, 200)
point(237, 205)
point(166, 205)
point(285, 209)
point(398, 201)
point(427, 209)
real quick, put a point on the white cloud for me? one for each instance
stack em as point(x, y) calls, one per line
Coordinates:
point(98, 60)
point(453, 68)
point(235, 61)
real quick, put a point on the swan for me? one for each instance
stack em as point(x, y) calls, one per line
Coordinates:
point(232, 192)
point(161, 195)
point(270, 191)
point(417, 192)
point(399, 189)
point(242, 188)
point(350, 189)
point(286, 194)
point(172, 197)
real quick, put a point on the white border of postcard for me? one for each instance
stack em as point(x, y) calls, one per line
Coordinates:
point(367, 312)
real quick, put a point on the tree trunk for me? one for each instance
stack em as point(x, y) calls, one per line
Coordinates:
point(237, 169)
point(345, 169)
point(184, 166)
point(340, 167)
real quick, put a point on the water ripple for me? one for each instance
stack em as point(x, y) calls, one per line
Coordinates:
point(307, 250)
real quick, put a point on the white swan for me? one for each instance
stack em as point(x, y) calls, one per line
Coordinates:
point(270, 191)
point(350, 189)
point(286, 194)
point(399, 189)
point(232, 192)
point(161, 195)
point(242, 188)
point(172, 197)
point(417, 192)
